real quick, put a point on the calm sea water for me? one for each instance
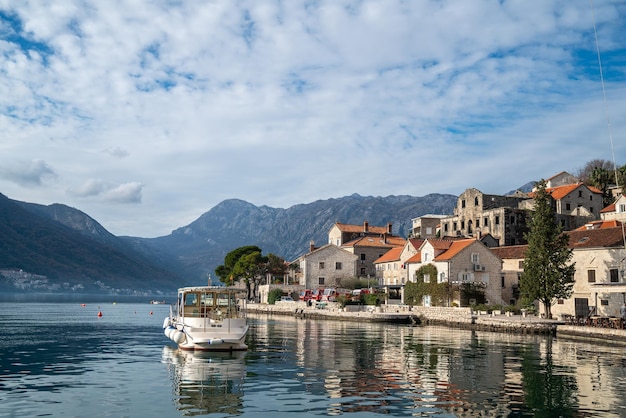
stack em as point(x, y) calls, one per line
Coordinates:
point(62, 360)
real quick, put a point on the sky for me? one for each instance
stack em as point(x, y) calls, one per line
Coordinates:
point(145, 114)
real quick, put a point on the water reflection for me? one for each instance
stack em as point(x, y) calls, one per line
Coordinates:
point(206, 383)
point(344, 367)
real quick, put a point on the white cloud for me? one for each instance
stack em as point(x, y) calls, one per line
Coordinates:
point(280, 103)
point(29, 174)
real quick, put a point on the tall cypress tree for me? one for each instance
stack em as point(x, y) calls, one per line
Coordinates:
point(547, 274)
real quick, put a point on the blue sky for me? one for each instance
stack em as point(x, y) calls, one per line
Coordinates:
point(146, 114)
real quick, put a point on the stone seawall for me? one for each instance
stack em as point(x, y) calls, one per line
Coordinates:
point(457, 317)
point(402, 314)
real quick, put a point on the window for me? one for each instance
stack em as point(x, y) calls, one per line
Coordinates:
point(426, 278)
point(445, 227)
point(478, 223)
point(591, 276)
point(321, 265)
point(476, 201)
point(622, 208)
point(338, 265)
point(320, 281)
point(521, 265)
point(463, 203)
point(462, 225)
point(362, 256)
point(442, 277)
point(591, 209)
point(454, 226)
point(590, 197)
point(475, 258)
point(604, 302)
point(425, 255)
point(512, 220)
point(486, 222)
point(497, 220)
point(502, 281)
point(362, 271)
point(568, 206)
point(614, 275)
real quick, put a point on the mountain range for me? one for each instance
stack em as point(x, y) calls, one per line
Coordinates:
point(57, 248)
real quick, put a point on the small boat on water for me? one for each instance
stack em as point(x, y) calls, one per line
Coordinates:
point(207, 318)
point(157, 302)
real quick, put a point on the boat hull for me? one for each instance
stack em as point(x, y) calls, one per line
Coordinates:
point(207, 319)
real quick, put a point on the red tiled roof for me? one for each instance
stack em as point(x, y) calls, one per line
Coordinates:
point(391, 255)
point(455, 248)
point(510, 251)
point(361, 228)
point(594, 238)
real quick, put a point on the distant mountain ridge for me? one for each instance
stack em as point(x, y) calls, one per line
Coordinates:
point(72, 250)
point(202, 245)
point(58, 248)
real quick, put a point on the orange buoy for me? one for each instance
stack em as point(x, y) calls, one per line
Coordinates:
point(99, 313)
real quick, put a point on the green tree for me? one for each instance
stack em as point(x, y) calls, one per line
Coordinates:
point(225, 271)
point(547, 276)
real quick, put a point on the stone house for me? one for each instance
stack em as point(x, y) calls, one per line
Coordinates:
point(369, 249)
point(391, 273)
point(326, 266)
point(616, 210)
point(341, 233)
point(459, 262)
point(477, 214)
point(426, 226)
point(600, 285)
point(574, 204)
point(512, 267)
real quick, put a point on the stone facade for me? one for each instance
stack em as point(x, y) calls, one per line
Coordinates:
point(458, 262)
point(478, 214)
point(600, 285)
point(326, 266)
point(426, 226)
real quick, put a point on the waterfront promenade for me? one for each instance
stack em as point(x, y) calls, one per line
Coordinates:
point(456, 317)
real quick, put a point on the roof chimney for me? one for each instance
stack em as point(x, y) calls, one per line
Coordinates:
point(389, 229)
point(366, 226)
point(311, 246)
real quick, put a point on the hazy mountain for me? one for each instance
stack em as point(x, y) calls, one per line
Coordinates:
point(202, 245)
point(58, 248)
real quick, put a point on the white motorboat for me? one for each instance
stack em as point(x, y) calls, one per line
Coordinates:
point(209, 318)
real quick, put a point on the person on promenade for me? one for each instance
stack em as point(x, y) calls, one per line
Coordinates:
point(622, 314)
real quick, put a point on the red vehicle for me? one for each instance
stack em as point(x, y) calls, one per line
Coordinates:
point(306, 295)
point(317, 294)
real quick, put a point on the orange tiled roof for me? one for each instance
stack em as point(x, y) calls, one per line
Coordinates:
point(391, 255)
point(455, 248)
point(610, 208)
point(559, 192)
point(613, 223)
point(417, 258)
point(387, 241)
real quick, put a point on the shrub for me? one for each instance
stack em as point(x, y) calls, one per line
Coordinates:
point(274, 295)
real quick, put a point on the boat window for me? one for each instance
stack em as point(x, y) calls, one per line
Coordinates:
point(207, 299)
point(222, 299)
point(191, 299)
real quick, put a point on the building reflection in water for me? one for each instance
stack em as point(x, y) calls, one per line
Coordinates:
point(439, 370)
point(206, 383)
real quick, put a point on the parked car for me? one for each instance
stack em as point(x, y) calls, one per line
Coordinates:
point(306, 295)
point(286, 299)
